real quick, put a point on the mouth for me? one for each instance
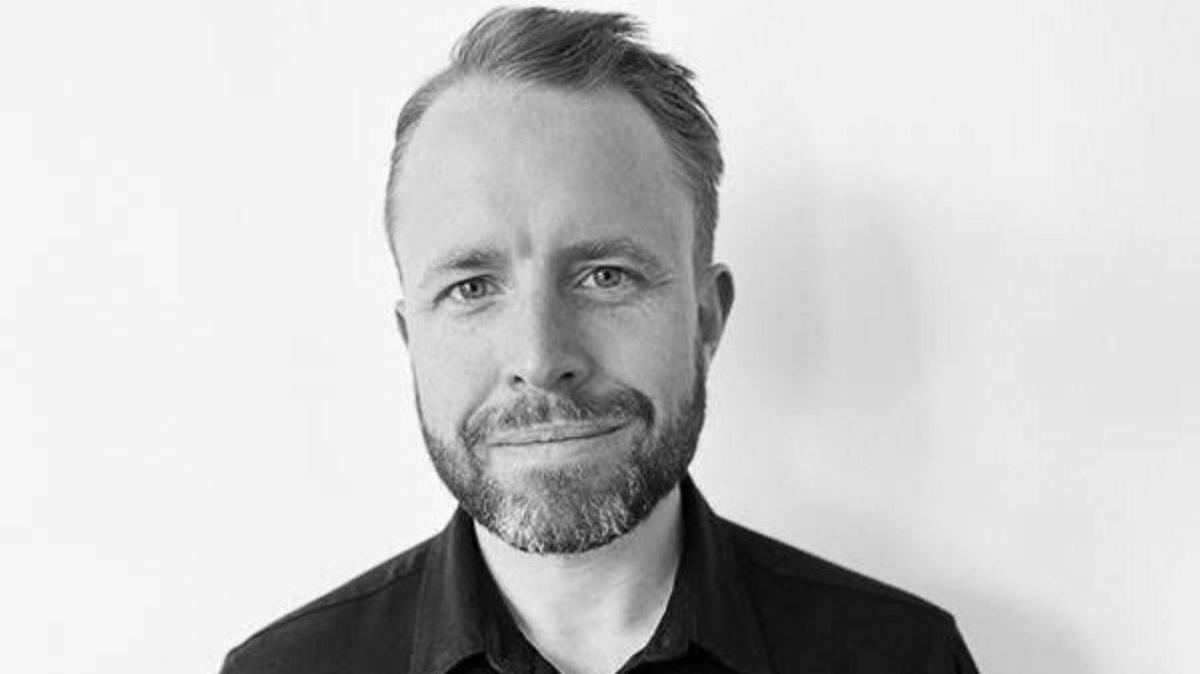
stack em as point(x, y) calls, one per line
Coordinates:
point(543, 434)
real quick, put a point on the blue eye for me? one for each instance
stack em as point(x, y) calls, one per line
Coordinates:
point(470, 290)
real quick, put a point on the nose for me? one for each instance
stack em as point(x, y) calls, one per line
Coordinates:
point(546, 348)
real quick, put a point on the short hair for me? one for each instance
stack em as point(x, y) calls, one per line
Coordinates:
point(583, 51)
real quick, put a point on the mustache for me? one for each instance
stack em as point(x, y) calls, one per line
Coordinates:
point(533, 410)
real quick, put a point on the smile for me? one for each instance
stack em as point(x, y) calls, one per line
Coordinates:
point(552, 433)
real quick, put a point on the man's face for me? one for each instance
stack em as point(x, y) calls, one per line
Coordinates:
point(552, 311)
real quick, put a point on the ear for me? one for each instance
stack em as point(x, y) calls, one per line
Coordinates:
point(716, 300)
point(400, 307)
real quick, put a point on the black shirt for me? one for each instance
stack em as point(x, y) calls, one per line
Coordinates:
point(742, 602)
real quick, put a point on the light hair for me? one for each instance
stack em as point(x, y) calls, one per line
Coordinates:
point(583, 51)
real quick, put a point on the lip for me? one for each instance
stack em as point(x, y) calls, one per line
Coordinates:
point(554, 433)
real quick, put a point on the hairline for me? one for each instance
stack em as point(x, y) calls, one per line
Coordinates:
point(457, 76)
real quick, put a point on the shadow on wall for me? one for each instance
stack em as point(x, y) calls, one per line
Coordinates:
point(1006, 637)
point(843, 365)
point(832, 278)
point(835, 329)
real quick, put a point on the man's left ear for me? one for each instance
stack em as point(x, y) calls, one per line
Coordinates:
point(716, 300)
point(401, 321)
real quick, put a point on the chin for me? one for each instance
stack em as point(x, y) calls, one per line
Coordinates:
point(566, 510)
point(571, 497)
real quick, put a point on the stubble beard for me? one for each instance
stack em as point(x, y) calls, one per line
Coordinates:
point(578, 506)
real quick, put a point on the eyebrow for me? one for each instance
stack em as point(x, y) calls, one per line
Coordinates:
point(460, 260)
point(475, 259)
point(595, 249)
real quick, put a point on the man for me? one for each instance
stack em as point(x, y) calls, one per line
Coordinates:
point(551, 208)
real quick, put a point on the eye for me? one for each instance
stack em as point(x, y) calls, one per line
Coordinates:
point(606, 278)
point(470, 290)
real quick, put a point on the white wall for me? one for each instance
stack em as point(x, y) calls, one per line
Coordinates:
point(963, 356)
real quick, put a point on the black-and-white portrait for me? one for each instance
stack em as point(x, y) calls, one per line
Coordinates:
point(590, 338)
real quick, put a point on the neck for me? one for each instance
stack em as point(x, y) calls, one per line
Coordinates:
point(589, 612)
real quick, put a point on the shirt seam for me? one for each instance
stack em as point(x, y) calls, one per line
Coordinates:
point(413, 570)
point(934, 611)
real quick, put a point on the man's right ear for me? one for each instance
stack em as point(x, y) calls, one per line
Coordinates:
point(401, 323)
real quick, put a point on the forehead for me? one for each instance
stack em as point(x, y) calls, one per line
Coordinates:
point(526, 167)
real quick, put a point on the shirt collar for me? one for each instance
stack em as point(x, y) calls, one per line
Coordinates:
point(450, 602)
point(709, 598)
point(460, 612)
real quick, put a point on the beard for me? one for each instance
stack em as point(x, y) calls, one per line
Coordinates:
point(579, 506)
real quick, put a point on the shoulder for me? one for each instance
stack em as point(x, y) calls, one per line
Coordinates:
point(806, 603)
point(787, 568)
point(329, 631)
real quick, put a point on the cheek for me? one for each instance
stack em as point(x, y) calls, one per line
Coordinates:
point(451, 375)
point(653, 352)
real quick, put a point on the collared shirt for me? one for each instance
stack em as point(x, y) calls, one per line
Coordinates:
point(741, 602)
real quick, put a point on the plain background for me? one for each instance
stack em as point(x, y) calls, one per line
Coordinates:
point(963, 357)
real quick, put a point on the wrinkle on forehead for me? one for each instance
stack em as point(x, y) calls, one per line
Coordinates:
point(516, 158)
